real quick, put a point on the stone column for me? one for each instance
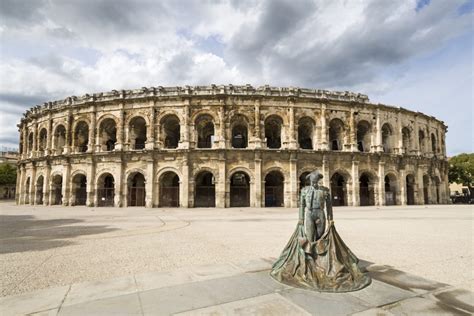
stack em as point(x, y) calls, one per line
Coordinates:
point(324, 131)
point(66, 189)
point(293, 180)
point(47, 185)
point(184, 142)
point(150, 181)
point(222, 125)
point(21, 185)
point(91, 144)
point(258, 181)
point(403, 187)
point(291, 113)
point(381, 183)
point(400, 134)
point(221, 184)
point(325, 171)
point(355, 183)
point(257, 134)
point(49, 142)
point(184, 183)
point(416, 141)
point(33, 185)
point(120, 132)
point(378, 134)
point(118, 198)
point(25, 141)
point(35, 140)
point(91, 196)
point(420, 194)
point(150, 132)
point(352, 131)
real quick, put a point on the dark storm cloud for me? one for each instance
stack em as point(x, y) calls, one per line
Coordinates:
point(21, 13)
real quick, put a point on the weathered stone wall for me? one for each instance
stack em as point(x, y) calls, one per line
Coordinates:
point(370, 154)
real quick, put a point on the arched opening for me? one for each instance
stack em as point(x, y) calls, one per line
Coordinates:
point(30, 142)
point(171, 132)
point(387, 138)
point(59, 138)
point(240, 190)
point(79, 189)
point(406, 140)
point(366, 189)
point(137, 133)
point(169, 190)
point(81, 137)
point(43, 140)
point(390, 189)
point(56, 190)
point(433, 143)
point(274, 188)
point(273, 126)
point(410, 180)
point(105, 190)
point(108, 134)
point(136, 189)
point(336, 134)
point(27, 190)
point(39, 190)
point(205, 192)
point(205, 131)
point(437, 184)
point(421, 141)
point(363, 136)
point(305, 133)
point(426, 186)
point(239, 136)
point(338, 190)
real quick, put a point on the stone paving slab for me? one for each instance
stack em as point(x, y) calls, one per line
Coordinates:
point(241, 289)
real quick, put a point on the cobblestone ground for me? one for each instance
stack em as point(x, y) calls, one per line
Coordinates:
point(45, 246)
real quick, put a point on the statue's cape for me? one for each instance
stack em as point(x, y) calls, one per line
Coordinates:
point(332, 268)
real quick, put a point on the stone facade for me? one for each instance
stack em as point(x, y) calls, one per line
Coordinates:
point(226, 146)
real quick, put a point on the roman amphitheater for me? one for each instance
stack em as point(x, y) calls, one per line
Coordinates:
point(227, 146)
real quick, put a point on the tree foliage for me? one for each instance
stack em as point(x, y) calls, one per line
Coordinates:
point(461, 169)
point(7, 174)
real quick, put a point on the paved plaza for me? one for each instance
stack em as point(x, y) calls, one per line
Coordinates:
point(80, 260)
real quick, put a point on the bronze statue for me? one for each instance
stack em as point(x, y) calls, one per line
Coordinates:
point(315, 257)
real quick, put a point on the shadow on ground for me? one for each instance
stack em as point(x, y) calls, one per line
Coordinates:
point(20, 233)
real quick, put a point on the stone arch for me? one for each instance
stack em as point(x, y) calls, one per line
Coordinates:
point(407, 142)
point(421, 141)
point(81, 135)
point(56, 188)
point(170, 131)
point(59, 138)
point(364, 136)
point(197, 114)
point(79, 188)
point(410, 189)
point(434, 148)
point(337, 130)
point(205, 188)
point(107, 133)
point(391, 188)
point(340, 181)
point(43, 140)
point(169, 189)
point(137, 134)
point(30, 141)
point(27, 189)
point(273, 128)
point(39, 189)
point(158, 175)
point(105, 189)
point(239, 188)
point(306, 131)
point(136, 193)
point(426, 189)
point(388, 137)
point(367, 184)
point(274, 188)
point(204, 125)
point(239, 130)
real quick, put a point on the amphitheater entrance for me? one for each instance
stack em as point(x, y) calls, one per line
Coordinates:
point(366, 190)
point(39, 190)
point(240, 190)
point(79, 189)
point(426, 186)
point(437, 184)
point(136, 189)
point(56, 190)
point(338, 190)
point(105, 190)
point(274, 185)
point(410, 179)
point(390, 189)
point(169, 190)
point(205, 192)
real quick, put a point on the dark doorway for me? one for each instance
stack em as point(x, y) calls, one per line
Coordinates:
point(338, 190)
point(426, 186)
point(106, 190)
point(79, 189)
point(273, 126)
point(39, 190)
point(171, 131)
point(390, 190)
point(410, 179)
point(56, 190)
point(169, 190)
point(27, 191)
point(274, 189)
point(240, 190)
point(366, 191)
point(205, 193)
point(239, 136)
point(136, 190)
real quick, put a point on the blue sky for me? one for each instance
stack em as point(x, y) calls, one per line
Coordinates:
point(414, 54)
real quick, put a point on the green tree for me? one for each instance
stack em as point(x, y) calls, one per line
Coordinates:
point(461, 170)
point(7, 174)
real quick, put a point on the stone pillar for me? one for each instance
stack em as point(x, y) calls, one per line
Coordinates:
point(292, 137)
point(184, 183)
point(150, 131)
point(325, 171)
point(221, 184)
point(293, 192)
point(258, 185)
point(21, 185)
point(49, 139)
point(35, 140)
point(324, 130)
point(400, 134)
point(91, 144)
point(67, 188)
point(257, 133)
point(222, 125)
point(403, 187)
point(91, 195)
point(118, 198)
point(150, 181)
point(416, 141)
point(120, 132)
point(33, 185)
point(353, 132)
point(47, 184)
point(420, 194)
point(355, 183)
point(184, 142)
point(381, 183)
point(378, 134)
